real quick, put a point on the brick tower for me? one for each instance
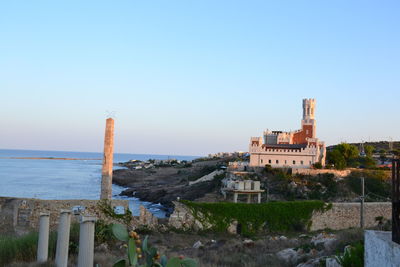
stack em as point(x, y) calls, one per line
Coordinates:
point(106, 173)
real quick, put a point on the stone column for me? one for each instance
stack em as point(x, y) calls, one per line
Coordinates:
point(63, 238)
point(235, 197)
point(106, 173)
point(43, 242)
point(86, 241)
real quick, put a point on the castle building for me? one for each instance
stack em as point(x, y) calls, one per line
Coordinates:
point(296, 149)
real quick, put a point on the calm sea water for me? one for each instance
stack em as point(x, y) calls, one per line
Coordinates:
point(64, 179)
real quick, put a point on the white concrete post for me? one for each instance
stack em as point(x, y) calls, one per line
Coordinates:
point(86, 241)
point(259, 198)
point(235, 197)
point(43, 242)
point(63, 238)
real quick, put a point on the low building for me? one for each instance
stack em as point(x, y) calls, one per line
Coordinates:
point(242, 187)
point(296, 149)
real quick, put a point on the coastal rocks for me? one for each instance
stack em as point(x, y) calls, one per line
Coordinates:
point(164, 184)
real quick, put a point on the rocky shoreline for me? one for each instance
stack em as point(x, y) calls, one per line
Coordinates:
point(164, 185)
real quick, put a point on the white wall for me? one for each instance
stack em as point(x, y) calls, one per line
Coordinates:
point(380, 250)
point(261, 160)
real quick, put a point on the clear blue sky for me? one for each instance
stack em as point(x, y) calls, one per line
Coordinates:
point(194, 77)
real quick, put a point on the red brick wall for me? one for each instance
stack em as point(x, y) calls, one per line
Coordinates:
point(300, 137)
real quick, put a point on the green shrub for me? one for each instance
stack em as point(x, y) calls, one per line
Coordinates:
point(141, 254)
point(322, 187)
point(352, 257)
point(274, 216)
point(375, 184)
point(103, 232)
point(317, 165)
point(23, 249)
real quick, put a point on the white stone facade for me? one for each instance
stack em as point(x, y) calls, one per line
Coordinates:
point(296, 149)
point(380, 250)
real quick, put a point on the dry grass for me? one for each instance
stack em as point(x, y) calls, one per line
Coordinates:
point(219, 250)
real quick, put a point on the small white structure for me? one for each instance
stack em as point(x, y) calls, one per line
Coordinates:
point(246, 187)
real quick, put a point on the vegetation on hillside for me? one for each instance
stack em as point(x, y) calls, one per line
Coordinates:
point(348, 155)
point(284, 185)
point(271, 216)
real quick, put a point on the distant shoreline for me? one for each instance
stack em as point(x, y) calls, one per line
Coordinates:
point(44, 158)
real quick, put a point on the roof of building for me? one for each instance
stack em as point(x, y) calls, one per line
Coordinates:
point(285, 146)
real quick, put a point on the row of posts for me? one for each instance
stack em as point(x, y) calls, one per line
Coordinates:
point(86, 239)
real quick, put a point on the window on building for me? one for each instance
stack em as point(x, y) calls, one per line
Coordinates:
point(261, 161)
point(310, 162)
point(301, 162)
point(294, 162)
point(306, 131)
point(277, 161)
point(285, 161)
point(269, 161)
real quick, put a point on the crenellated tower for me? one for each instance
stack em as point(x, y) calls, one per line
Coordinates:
point(308, 109)
point(308, 123)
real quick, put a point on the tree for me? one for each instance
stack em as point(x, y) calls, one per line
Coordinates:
point(336, 158)
point(349, 152)
point(368, 162)
point(317, 165)
point(369, 150)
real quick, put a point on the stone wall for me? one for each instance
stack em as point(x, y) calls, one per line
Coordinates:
point(347, 215)
point(341, 216)
point(21, 215)
point(207, 177)
point(314, 172)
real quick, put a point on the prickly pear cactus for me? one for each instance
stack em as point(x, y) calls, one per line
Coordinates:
point(140, 252)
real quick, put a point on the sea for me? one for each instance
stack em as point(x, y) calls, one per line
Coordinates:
point(65, 179)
